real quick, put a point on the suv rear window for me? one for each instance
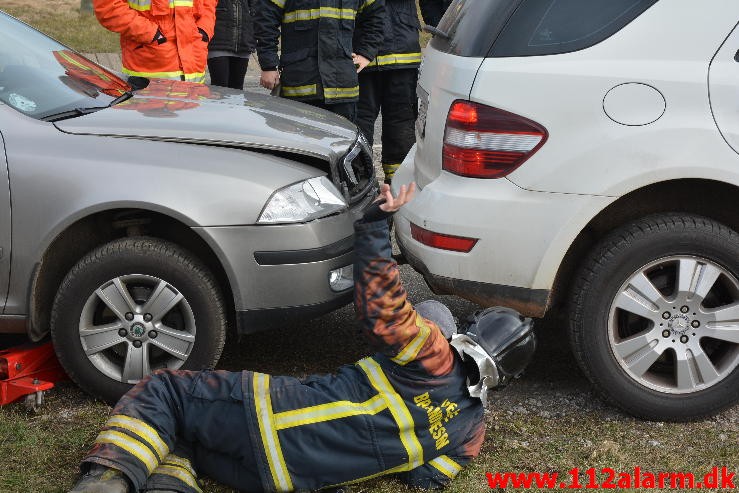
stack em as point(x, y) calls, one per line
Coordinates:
point(548, 27)
point(507, 28)
point(472, 26)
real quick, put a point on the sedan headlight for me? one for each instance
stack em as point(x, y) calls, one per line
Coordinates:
point(303, 201)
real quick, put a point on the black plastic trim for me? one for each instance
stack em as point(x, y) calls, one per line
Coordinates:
point(328, 252)
point(251, 321)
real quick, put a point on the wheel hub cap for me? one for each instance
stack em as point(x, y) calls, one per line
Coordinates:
point(679, 324)
point(138, 330)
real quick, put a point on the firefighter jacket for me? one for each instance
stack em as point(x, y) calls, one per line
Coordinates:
point(316, 42)
point(234, 30)
point(181, 50)
point(400, 47)
point(404, 411)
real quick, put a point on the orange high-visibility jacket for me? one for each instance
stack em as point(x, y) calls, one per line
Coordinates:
point(184, 53)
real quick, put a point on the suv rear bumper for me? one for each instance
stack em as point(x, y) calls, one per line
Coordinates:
point(523, 236)
point(529, 302)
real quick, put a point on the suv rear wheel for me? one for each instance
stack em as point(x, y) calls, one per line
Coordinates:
point(133, 306)
point(655, 317)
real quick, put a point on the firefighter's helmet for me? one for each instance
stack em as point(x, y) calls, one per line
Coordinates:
point(496, 345)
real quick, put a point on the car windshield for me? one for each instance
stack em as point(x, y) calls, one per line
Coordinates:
point(46, 80)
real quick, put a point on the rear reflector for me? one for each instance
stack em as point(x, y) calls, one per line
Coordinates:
point(485, 142)
point(442, 241)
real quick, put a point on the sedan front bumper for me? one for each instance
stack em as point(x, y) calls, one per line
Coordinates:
point(279, 273)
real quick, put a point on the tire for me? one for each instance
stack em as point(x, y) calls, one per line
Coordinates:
point(652, 345)
point(132, 306)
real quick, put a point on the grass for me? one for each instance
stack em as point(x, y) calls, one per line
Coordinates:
point(81, 32)
point(548, 421)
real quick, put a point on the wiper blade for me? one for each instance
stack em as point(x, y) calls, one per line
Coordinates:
point(63, 115)
point(434, 31)
point(123, 97)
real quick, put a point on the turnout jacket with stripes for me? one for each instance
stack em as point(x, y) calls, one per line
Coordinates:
point(400, 47)
point(183, 53)
point(316, 39)
point(405, 410)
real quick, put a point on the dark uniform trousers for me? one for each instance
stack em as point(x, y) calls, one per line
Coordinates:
point(404, 411)
point(388, 85)
point(394, 93)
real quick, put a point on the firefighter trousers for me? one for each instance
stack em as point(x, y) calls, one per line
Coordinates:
point(394, 93)
point(175, 424)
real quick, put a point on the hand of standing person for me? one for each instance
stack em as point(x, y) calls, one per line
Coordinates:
point(269, 79)
point(359, 62)
point(392, 204)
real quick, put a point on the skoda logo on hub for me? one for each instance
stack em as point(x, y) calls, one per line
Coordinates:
point(137, 330)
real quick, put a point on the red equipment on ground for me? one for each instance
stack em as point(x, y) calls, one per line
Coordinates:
point(28, 370)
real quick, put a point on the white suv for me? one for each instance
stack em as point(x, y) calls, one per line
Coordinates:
point(582, 154)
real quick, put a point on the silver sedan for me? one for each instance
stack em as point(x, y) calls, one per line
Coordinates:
point(136, 225)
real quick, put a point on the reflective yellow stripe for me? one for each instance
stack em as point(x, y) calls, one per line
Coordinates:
point(140, 4)
point(398, 409)
point(313, 14)
point(328, 412)
point(198, 77)
point(340, 92)
point(279, 3)
point(181, 474)
point(366, 4)
point(397, 59)
point(295, 91)
point(265, 418)
point(446, 466)
point(130, 445)
point(146, 4)
point(174, 460)
point(410, 351)
point(161, 75)
point(142, 430)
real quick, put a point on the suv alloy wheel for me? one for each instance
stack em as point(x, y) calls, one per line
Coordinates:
point(654, 317)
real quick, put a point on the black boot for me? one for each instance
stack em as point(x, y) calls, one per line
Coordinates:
point(101, 479)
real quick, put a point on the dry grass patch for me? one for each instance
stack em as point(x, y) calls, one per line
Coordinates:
point(61, 20)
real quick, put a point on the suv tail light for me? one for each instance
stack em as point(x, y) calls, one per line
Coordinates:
point(485, 142)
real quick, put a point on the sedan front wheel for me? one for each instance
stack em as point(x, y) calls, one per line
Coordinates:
point(133, 306)
point(655, 317)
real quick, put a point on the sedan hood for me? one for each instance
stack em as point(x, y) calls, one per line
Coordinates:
point(196, 113)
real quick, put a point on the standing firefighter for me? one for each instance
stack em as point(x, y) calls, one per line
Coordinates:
point(161, 38)
point(319, 61)
point(414, 409)
point(388, 84)
point(433, 10)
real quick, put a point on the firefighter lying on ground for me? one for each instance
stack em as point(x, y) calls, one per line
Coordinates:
point(414, 409)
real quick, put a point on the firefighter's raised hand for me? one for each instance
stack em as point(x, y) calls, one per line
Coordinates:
point(269, 79)
point(392, 204)
point(359, 62)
